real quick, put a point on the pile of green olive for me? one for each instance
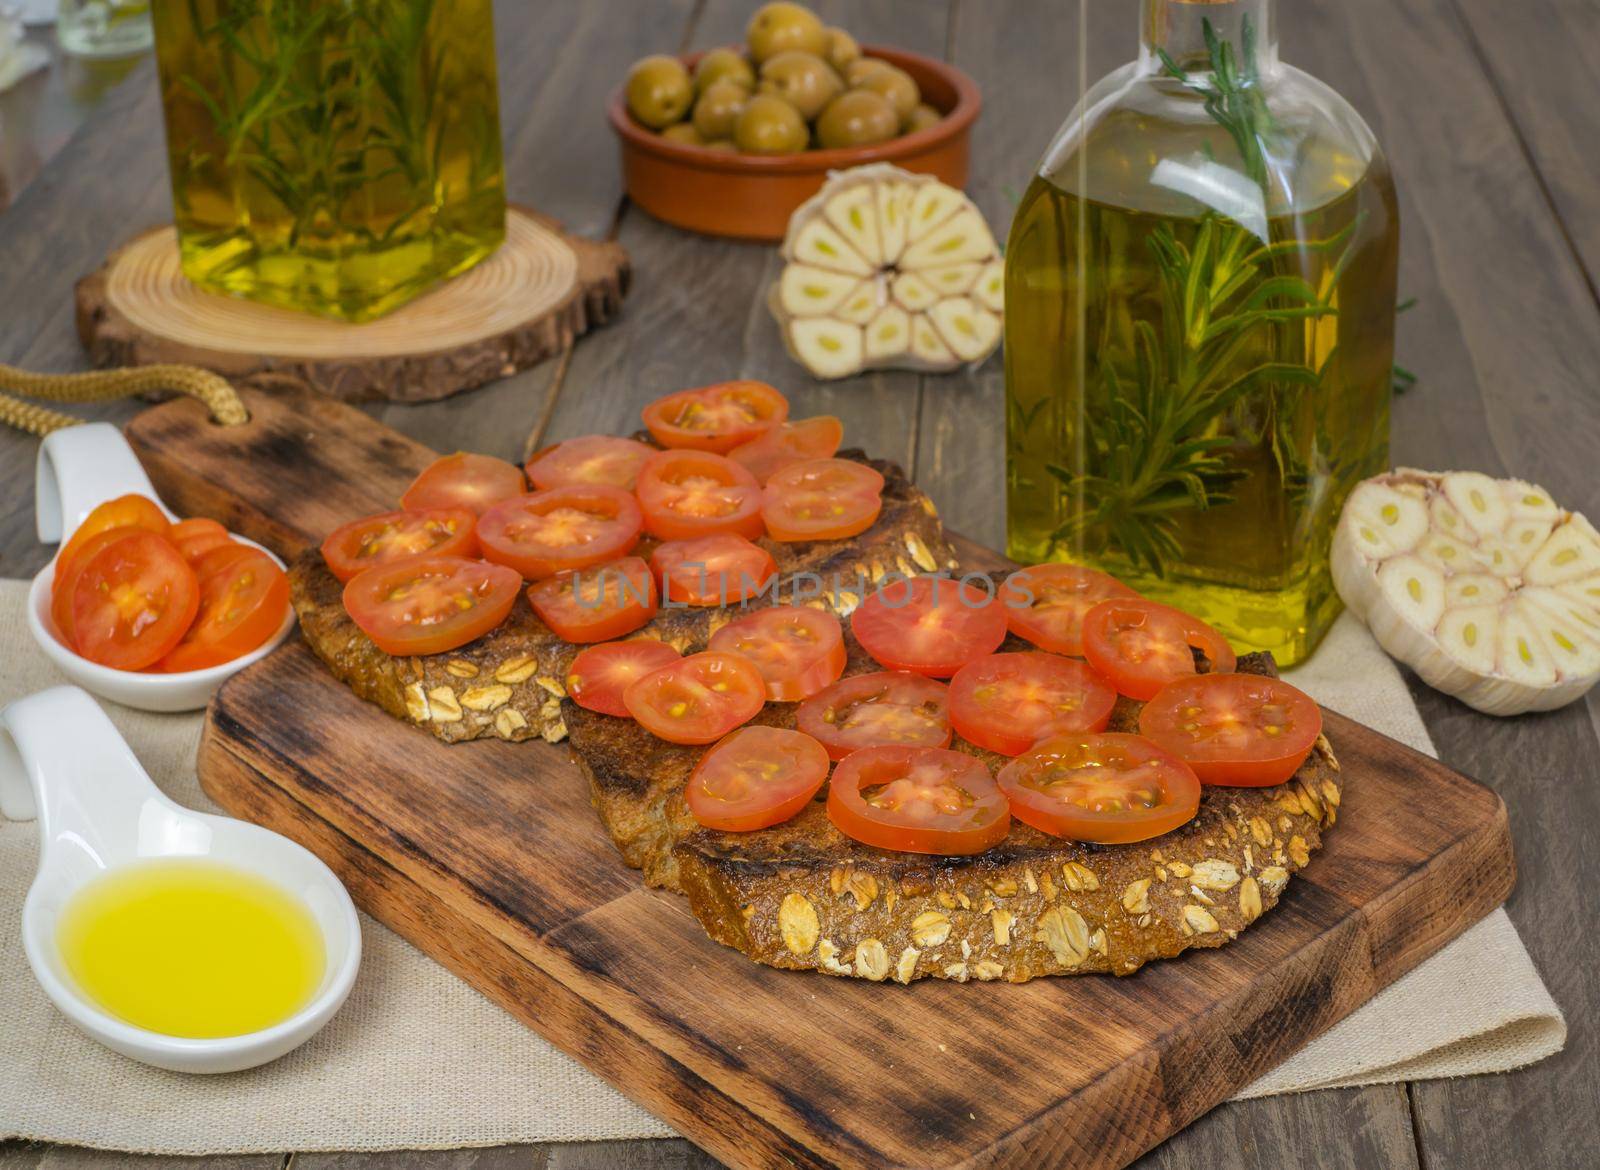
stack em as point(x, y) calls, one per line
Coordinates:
point(797, 84)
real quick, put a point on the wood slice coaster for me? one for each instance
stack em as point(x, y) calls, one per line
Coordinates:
point(527, 302)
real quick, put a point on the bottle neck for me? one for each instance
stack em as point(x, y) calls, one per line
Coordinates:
point(1177, 28)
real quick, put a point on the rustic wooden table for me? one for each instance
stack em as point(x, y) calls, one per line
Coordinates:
point(1490, 118)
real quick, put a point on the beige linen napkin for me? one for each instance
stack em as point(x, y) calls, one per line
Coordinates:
point(418, 1059)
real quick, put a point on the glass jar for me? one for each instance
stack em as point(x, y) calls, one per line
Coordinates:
point(338, 158)
point(1199, 334)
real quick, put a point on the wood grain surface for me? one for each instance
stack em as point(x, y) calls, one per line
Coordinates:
point(1487, 113)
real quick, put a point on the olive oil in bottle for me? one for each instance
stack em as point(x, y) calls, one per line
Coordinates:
point(1200, 295)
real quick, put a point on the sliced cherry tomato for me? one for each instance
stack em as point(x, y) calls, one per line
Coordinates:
point(194, 538)
point(464, 480)
point(686, 494)
point(1045, 604)
point(1242, 730)
point(596, 604)
point(798, 650)
point(589, 459)
point(428, 605)
point(717, 417)
point(243, 597)
point(130, 511)
point(1009, 702)
point(886, 709)
point(132, 600)
point(697, 699)
point(918, 800)
point(599, 674)
point(1104, 787)
point(712, 570)
point(67, 573)
point(550, 532)
point(790, 442)
point(393, 536)
point(755, 777)
point(1141, 645)
point(929, 625)
point(822, 499)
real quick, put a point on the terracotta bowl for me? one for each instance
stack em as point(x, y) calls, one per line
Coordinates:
point(750, 196)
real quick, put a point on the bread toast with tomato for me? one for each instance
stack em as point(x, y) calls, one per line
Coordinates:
point(508, 684)
point(803, 895)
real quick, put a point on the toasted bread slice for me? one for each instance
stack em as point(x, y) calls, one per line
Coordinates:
point(508, 684)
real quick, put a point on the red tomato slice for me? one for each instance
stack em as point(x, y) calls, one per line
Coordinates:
point(1009, 702)
point(717, 417)
point(464, 480)
point(1142, 645)
point(1241, 730)
point(67, 573)
point(712, 570)
point(822, 499)
point(697, 699)
point(130, 511)
point(887, 709)
point(755, 777)
point(798, 650)
point(393, 536)
point(600, 674)
point(428, 605)
point(918, 800)
point(929, 625)
point(603, 459)
point(194, 538)
point(132, 600)
point(1045, 604)
point(790, 442)
point(564, 528)
point(686, 494)
point(596, 604)
point(1104, 787)
point(243, 597)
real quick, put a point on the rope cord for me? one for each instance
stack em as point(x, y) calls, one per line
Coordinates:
point(105, 385)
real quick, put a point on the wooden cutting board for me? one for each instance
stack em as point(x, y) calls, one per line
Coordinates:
point(487, 856)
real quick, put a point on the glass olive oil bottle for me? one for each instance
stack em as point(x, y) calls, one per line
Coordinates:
point(337, 158)
point(1200, 301)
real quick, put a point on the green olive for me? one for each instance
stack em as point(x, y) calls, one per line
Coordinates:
point(863, 67)
point(769, 125)
point(895, 84)
point(922, 117)
point(683, 133)
point(842, 49)
point(719, 108)
point(804, 80)
point(659, 91)
point(723, 65)
point(722, 145)
point(782, 25)
point(857, 117)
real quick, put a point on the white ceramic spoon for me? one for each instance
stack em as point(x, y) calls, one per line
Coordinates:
point(62, 761)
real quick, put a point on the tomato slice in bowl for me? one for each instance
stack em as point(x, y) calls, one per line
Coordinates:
point(797, 649)
point(464, 480)
point(918, 800)
point(598, 603)
point(1009, 702)
point(243, 598)
point(130, 511)
point(1241, 730)
point(600, 674)
point(427, 605)
point(1106, 787)
point(712, 570)
point(195, 537)
point(789, 442)
point(68, 571)
point(755, 777)
point(1142, 645)
point(822, 499)
point(686, 494)
point(716, 418)
point(565, 528)
point(132, 600)
point(929, 625)
point(697, 699)
point(393, 536)
point(604, 459)
point(884, 709)
point(1045, 603)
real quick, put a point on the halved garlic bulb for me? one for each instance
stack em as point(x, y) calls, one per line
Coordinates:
point(1485, 587)
point(888, 268)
